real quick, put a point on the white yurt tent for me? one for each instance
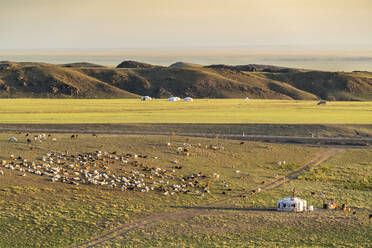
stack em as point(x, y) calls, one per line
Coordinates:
point(292, 204)
point(174, 99)
point(246, 99)
point(146, 98)
point(188, 99)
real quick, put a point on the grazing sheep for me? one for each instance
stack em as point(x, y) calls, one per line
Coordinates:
point(77, 171)
point(216, 176)
point(1, 172)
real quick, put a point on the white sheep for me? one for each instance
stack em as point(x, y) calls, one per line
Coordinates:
point(215, 175)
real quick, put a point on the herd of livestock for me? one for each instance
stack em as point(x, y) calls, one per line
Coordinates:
point(113, 170)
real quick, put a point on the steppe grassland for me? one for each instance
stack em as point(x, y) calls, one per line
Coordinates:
point(36, 212)
point(67, 111)
point(346, 178)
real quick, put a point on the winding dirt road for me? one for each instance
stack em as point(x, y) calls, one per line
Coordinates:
point(186, 213)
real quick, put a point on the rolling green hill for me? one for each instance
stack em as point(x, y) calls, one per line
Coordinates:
point(51, 81)
point(131, 79)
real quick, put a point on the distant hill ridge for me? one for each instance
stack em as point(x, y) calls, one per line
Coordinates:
point(131, 79)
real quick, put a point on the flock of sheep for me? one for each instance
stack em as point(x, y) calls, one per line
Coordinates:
point(109, 169)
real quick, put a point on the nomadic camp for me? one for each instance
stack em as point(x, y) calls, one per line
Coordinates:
point(188, 99)
point(146, 98)
point(174, 99)
point(292, 204)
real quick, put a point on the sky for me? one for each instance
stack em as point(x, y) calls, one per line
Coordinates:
point(173, 24)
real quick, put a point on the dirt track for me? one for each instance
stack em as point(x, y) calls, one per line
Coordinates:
point(343, 141)
point(186, 213)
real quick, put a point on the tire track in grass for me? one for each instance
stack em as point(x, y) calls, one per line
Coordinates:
point(192, 212)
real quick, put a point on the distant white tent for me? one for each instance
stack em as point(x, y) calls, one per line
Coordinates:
point(188, 99)
point(174, 99)
point(146, 98)
point(292, 204)
point(246, 99)
point(13, 139)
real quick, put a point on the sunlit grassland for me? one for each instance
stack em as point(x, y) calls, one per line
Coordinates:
point(35, 212)
point(345, 178)
point(200, 111)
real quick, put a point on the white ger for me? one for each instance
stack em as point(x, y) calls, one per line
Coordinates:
point(292, 204)
point(146, 98)
point(174, 99)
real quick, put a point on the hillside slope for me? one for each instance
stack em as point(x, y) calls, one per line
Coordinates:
point(45, 80)
point(84, 80)
point(330, 85)
point(197, 82)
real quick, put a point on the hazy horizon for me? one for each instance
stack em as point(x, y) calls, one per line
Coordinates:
point(330, 61)
point(186, 24)
point(315, 34)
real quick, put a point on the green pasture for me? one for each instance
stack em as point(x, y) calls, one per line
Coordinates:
point(346, 178)
point(34, 212)
point(200, 111)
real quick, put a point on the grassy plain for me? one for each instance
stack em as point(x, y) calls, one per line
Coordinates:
point(35, 212)
point(347, 178)
point(68, 111)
